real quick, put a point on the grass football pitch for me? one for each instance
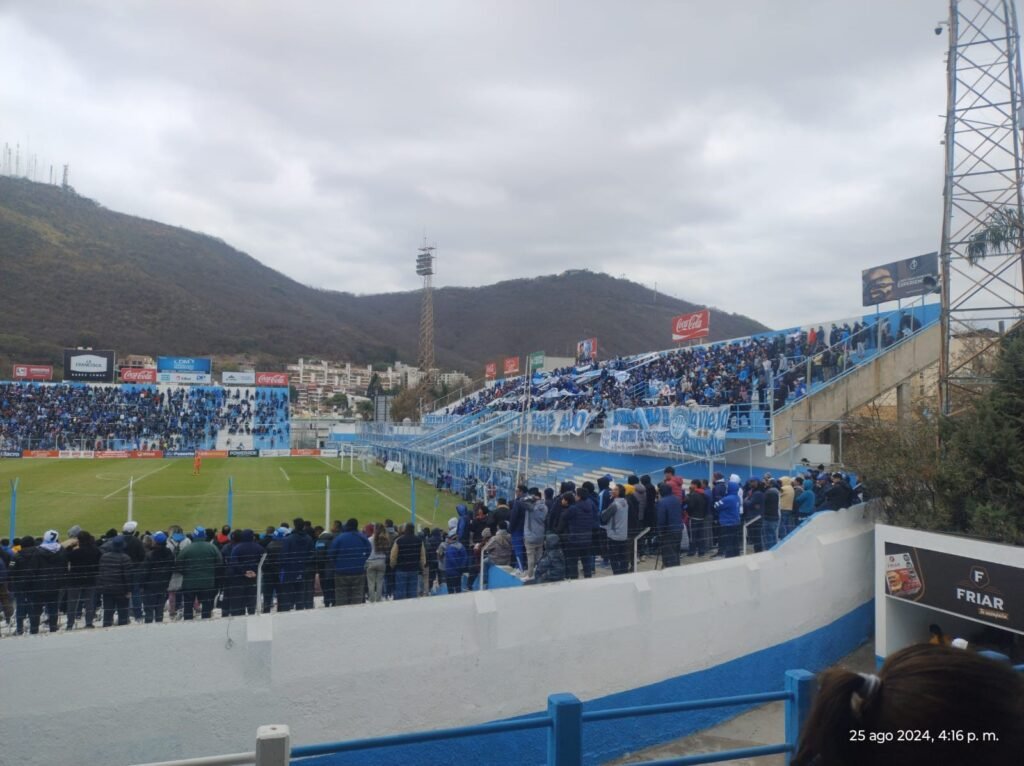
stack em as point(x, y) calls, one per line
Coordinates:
point(55, 494)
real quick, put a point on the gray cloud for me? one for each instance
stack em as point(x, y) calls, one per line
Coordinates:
point(750, 155)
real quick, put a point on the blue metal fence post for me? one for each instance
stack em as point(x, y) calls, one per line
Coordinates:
point(14, 506)
point(412, 496)
point(802, 685)
point(231, 501)
point(565, 738)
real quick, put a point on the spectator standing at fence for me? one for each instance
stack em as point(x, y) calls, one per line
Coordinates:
point(700, 523)
point(39, 576)
point(322, 562)
point(770, 521)
point(272, 568)
point(516, 522)
point(376, 564)
point(114, 581)
point(243, 567)
point(432, 539)
point(804, 502)
point(535, 529)
point(408, 559)
point(576, 525)
point(456, 564)
point(199, 564)
point(650, 516)
point(729, 519)
point(349, 554)
point(669, 511)
point(615, 521)
point(83, 566)
point(137, 553)
point(296, 551)
point(753, 511)
point(787, 501)
point(155, 577)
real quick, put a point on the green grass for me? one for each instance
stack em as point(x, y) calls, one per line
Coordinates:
point(94, 493)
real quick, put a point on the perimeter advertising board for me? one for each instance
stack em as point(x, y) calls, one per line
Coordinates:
point(88, 366)
point(272, 379)
point(238, 378)
point(138, 375)
point(491, 370)
point(187, 378)
point(982, 591)
point(901, 279)
point(183, 364)
point(691, 326)
point(32, 372)
point(586, 349)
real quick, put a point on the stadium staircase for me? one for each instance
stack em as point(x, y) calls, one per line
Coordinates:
point(799, 421)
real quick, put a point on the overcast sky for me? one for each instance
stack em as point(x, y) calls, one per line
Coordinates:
point(750, 155)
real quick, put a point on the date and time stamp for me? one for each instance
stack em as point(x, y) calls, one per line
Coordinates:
point(924, 736)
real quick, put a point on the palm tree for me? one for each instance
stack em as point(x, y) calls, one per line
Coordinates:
point(1001, 234)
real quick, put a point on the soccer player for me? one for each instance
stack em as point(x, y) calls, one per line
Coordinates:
point(197, 464)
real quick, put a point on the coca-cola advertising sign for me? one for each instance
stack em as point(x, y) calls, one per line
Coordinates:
point(491, 370)
point(511, 365)
point(690, 326)
point(32, 372)
point(138, 375)
point(271, 378)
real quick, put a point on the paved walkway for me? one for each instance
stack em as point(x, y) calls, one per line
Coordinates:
point(764, 725)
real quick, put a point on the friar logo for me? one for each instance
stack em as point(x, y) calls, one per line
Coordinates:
point(979, 576)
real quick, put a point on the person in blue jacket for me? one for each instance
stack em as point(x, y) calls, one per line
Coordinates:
point(669, 514)
point(348, 553)
point(804, 502)
point(463, 526)
point(577, 526)
point(729, 519)
point(296, 554)
point(456, 564)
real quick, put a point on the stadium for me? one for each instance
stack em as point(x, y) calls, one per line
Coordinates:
point(710, 549)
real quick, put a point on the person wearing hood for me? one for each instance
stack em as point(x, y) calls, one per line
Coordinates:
point(753, 510)
point(243, 566)
point(321, 561)
point(156, 576)
point(534, 528)
point(464, 524)
point(669, 511)
point(700, 524)
point(787, 501)
point(729, 513)
point(272, 568)
point(615, 521)
point(349, 553)
point(199, 565)
point(498, 549)
point(39, 576)
point(649, 517)
point(456, 564)
point(771, 516)
point(551, 566)
point(114, 581)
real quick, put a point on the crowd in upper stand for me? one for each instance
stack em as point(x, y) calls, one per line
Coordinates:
point(747, 371)
point(79, 416)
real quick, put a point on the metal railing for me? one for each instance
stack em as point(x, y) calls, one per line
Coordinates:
point(565, 717)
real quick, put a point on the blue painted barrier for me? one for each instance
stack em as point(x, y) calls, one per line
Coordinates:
point(565, 718)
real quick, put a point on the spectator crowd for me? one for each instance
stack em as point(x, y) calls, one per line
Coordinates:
point(80, 416)
point(542, 536)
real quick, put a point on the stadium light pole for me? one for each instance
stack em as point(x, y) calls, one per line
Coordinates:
point(231, 501)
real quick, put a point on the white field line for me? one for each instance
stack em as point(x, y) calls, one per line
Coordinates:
point(158, 470)
point(287, 478)
point(371, 486)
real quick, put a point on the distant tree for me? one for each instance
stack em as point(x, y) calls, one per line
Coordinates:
point(1002, 233)
point(338, 401)
point(375, 387)
point(364, 409)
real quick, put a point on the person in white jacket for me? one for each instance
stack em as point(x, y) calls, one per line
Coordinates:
point(533, 529)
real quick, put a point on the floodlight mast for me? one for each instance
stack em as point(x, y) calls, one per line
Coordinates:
point(983, 209)
point(425, 268)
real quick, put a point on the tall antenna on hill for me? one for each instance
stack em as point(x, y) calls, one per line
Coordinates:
point(425, 268)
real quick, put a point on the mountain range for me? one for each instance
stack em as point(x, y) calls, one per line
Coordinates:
point(73, 273)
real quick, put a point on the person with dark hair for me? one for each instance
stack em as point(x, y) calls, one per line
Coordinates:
point(700, 526)
point(408, 559)
point(39, 575)
point(83, 566)
point(669, 511)
point(456, 564)
point(321, 560)
point(534, 529)
point(296, 552)
point(348, 555)
point(114, 582)
point(729, 510)
point(771, 515)
point(938, 638)
point(949, 693)
point(551, 566)
point(243, 566)
point(376, 564)
point(156, 576)
point(615, 521)
point(649, 517)
point(516, 524)
point(576, 525)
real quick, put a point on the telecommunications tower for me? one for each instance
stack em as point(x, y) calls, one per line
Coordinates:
point(982, 233)
point(425, 268)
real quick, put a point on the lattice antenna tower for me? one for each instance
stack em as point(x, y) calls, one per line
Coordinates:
point(425, 268)
point(982, 232)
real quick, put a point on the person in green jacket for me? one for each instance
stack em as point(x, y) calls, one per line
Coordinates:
point(200, 564)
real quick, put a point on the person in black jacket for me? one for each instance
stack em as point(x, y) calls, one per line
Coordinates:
point(83, 566)
point(700, 524)
point(114, 582)
point(649, 514)
point(39, 575)
point(156, 576)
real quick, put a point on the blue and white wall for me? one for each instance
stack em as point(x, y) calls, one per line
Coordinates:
point(148, 693)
